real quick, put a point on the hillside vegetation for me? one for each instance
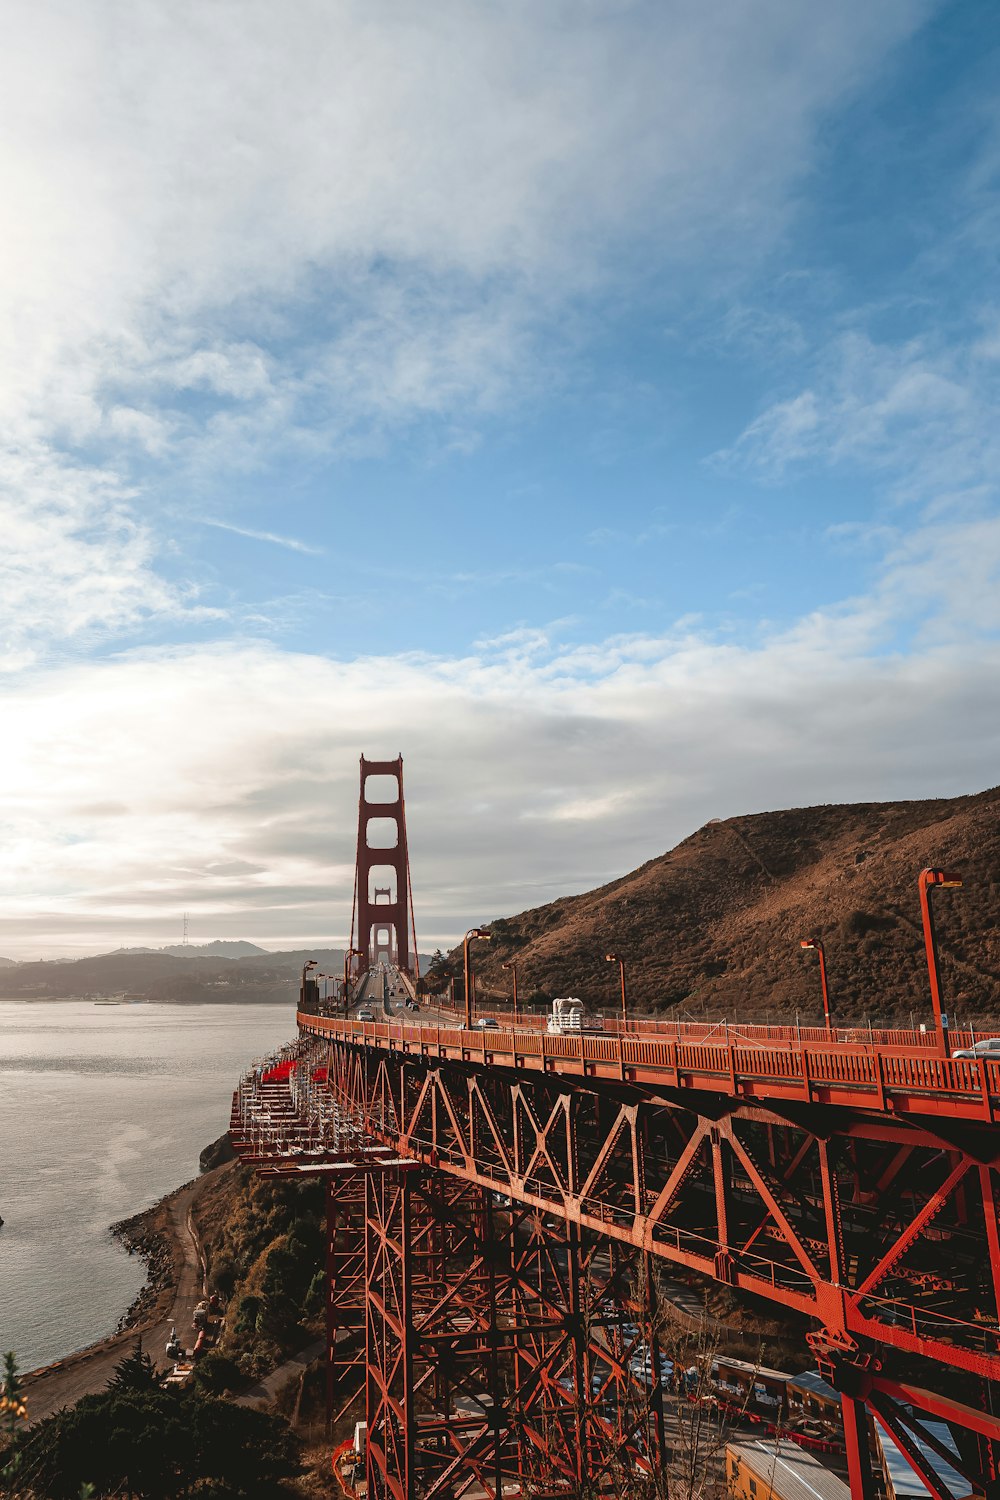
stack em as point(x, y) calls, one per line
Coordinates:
point(264, 1243)
point(713, 926)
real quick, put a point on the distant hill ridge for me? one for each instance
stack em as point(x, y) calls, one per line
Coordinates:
point(713, 926)
point(220, 948)
point(163, 975)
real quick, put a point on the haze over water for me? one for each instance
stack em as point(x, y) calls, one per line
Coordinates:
point(103, 1110)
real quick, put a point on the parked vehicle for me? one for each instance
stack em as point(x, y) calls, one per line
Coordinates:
point(568, 1018)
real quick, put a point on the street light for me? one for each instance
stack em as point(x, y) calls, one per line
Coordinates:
point(512, 966)
point(817, 943)
point(473, 932)
point(945, 881)
point(311, 964)
point(613, 958)
point(351, 953)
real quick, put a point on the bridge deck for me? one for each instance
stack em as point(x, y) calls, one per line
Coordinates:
point(895, 1079)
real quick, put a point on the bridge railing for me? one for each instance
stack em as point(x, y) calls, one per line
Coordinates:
point(722, 1031)
point(860, 1074)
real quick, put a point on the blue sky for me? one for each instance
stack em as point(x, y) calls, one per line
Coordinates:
point(595, 402)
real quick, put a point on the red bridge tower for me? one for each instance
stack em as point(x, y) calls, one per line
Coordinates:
point(382, 917)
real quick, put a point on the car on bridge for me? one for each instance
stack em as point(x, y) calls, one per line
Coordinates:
point(988, 1047)
point(366, 1013)
point(485, 1023)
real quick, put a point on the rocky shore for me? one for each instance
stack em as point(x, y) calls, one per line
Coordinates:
point(217, 1153)
point(165, 1237)
point(149, 1236)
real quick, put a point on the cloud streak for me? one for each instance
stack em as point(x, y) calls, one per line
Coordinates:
point(292, 543)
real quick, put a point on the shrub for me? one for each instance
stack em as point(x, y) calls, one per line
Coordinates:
point(158, 1444)
point(216, 1373)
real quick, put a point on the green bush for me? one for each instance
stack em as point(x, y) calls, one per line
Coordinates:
point(157, 1444)
point(216, 1373)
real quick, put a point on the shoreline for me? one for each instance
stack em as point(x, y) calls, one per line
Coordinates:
point(130, 1004)
point(165, 1236)
point(147, 1234)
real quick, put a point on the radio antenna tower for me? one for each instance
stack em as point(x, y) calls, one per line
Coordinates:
point(184, 940)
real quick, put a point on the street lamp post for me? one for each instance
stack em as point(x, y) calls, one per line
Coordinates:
point(945, 881)
point(817, 943)
point(351, 953)
point(473, 932)
point(311, 964)
point(614, 958)
point(512, 966)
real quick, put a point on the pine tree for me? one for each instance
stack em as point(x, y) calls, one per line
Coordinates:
point(135, 1372)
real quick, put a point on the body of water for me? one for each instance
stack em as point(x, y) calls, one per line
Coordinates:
point(103, 1110)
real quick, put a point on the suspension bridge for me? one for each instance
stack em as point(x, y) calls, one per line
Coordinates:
point(503, 1202)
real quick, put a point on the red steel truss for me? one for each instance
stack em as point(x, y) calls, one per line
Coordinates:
point(497, 1356)
point(345, 1291)
point(500, 1351)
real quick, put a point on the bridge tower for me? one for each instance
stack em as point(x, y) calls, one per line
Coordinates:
point(382, 918)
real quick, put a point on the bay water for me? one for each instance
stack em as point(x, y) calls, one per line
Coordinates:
point(103, 1110)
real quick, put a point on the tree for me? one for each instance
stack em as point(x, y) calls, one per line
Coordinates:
point(439, 971)
point(216, 1373)
point(13, 1412)
point(157, 1444)
point(136, 1372)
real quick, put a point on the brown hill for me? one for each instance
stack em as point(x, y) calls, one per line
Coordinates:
point(713, 926)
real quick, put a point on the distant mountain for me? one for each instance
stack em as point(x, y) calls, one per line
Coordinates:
point(221, 948)
point(8, 963)
point(201, 976)
point(713, 927)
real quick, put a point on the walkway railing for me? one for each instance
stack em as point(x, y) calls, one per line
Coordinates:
point(901, 1077)
point(877, 1036)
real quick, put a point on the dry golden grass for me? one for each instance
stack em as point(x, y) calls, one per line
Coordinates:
point(713, 927)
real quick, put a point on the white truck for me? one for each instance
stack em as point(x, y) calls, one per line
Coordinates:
point(569, 1018)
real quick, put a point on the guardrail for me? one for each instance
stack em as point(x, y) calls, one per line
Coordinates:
point(901, 1079)
point(877, 1036)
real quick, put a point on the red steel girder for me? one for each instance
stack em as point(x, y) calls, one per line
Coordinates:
point(839, 1215)
point(441, 1103)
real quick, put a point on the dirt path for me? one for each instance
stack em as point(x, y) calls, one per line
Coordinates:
point(268, 1388)
point(90, 1369)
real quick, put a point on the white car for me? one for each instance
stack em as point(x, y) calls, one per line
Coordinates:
point(988, 1047)
point(366, 1013)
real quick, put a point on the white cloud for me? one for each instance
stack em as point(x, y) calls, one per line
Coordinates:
point(222, 780)
point(241, 226)
point(74, 561)
point(921, 414)
point(233, 227)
